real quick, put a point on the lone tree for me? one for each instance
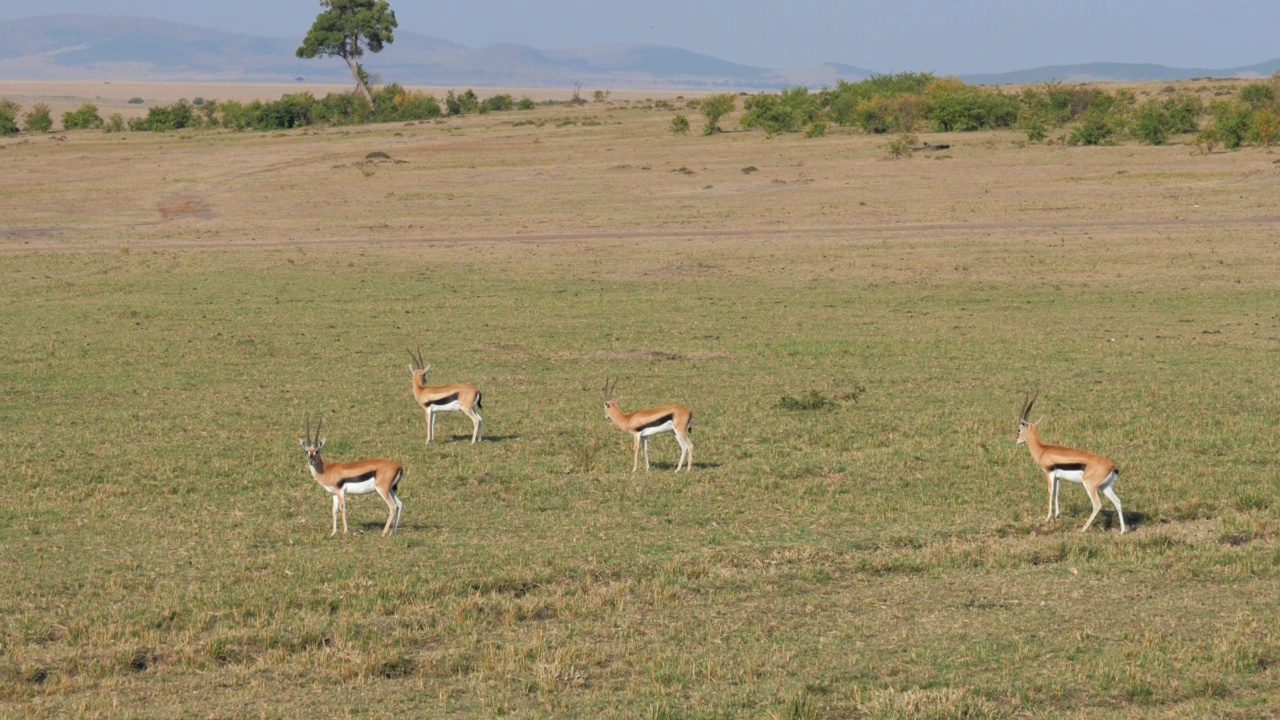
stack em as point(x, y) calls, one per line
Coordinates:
point(346, 29)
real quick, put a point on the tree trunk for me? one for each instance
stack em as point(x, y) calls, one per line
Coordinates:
point(350, 57)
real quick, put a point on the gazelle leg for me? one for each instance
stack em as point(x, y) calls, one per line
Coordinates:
point(399, 507)
point(342, 505)
point(475, 422)
point(646, 453)
point(1115, 500)
point(1053, 487)
point(335, 516)
point(391, 512)
point(431, 425)
point(426, 416)
point(635, 453)
point(1097, 505)
point(686, 452)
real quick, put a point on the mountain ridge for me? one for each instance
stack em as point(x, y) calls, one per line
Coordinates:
point(115, 47)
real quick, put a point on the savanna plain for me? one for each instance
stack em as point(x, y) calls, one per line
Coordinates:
point(859, 535)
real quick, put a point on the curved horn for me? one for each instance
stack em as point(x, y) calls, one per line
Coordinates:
point(412, 358)
point(309, 429)
point(1028, 402)
point(608, 393)
point(319, 425)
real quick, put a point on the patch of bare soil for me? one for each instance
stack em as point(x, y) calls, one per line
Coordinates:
point(179, 207)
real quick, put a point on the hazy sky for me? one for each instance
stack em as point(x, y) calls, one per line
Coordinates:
point(943, 36)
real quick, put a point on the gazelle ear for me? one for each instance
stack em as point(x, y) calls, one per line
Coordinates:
point(321, 444)
point(303, 443)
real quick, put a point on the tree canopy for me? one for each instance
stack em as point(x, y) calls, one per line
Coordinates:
point(345, 29)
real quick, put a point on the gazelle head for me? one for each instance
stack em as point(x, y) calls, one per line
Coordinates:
point(313, 444)
point(1025, 426)
point(609, 402)
point(417, 369)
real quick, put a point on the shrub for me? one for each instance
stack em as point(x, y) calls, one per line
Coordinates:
point(498, 103)
point(525, 103)
point(173, 117)
point(290, 111)
point(813, 400)
point(1155, 120)
point(965, 108)
point(83, 118)
point(38, 119)
point(114, 124)
point(679, 125)
point(714, 107)
point(9, 117)
point(816, 130)
point(135, 101)
point(1266, 125)
point(900, 146)
point(1231, 123)
point(1258, 95)
point(1096, 128)
point(465, 103)
point(789, 111)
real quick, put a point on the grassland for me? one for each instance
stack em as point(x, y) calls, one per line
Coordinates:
point(174, 306)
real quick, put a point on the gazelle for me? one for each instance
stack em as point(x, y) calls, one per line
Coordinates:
point(644, 423)
point(443, 398)
point(354, 478)
point(1095, 472)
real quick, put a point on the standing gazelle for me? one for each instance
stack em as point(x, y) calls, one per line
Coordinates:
point(643, 423)
point(1095, 472)
point(354, 478)
point(442, 398)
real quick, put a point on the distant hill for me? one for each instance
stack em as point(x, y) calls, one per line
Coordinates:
point(1126, 72)
point(96, 47)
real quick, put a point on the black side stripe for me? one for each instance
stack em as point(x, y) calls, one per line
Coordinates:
point(442, 401)
point(358, 478)
point(1078, 467)
point(656, 423)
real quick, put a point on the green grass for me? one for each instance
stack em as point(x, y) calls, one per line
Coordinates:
point(165, 551)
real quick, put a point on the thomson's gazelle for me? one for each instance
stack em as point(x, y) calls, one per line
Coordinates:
point(644, 423)
point(1095, 472)
point(354, 478)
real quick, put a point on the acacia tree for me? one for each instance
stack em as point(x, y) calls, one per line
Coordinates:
point(346, 29)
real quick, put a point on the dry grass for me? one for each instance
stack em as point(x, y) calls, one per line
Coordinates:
point(166, 551)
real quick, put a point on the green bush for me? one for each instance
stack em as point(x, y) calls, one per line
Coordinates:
point(679, 125)
point(465, 103)
point(969, 108)
point(1156, 119)
point(162, 118)
point(1258, 95)
point(816, 130)
point(1096, 128)
point(114, 124)
point(714, 107)
point(38, 119)
point(1232, 122)
point(789, 111)
point(9, 117)
point(525, 103)
point(498, 103)
point(136, 101)
point(84, 118)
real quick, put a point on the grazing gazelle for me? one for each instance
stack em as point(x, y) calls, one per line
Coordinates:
point(1095, 472)
point(442, 398)
point(354, 478)
point(643, 423)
